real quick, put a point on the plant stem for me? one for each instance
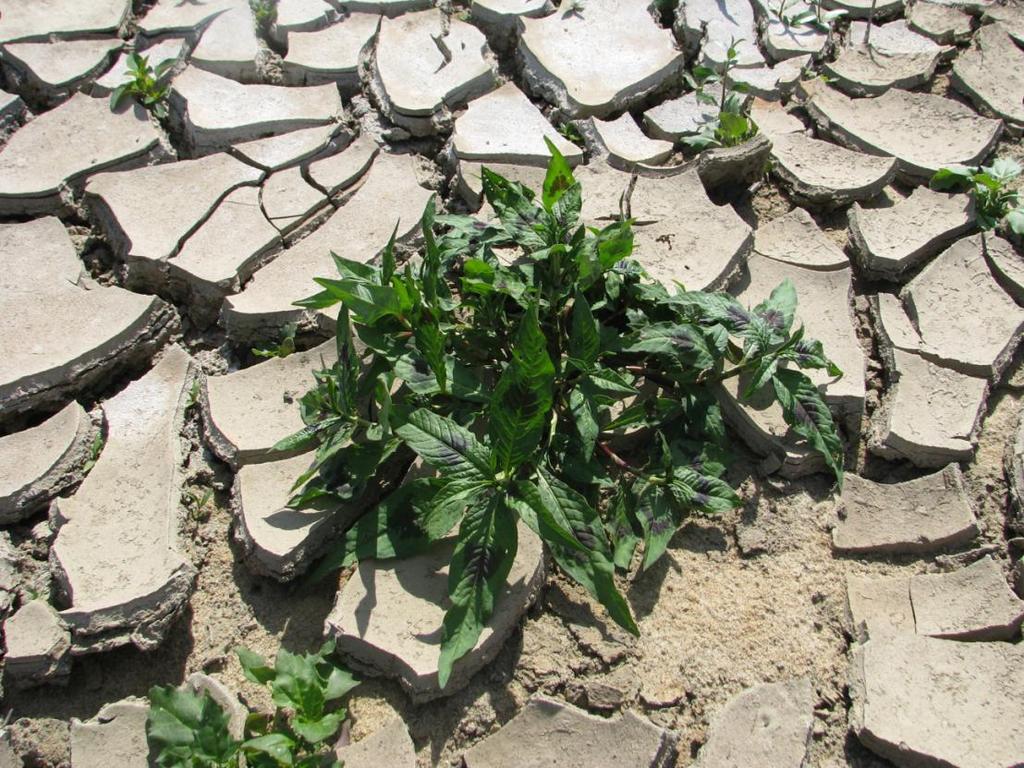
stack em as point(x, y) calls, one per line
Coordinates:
point(618, 461)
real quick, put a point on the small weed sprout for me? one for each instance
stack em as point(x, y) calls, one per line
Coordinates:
point(193, 395)
point(190, 729)
point(993, 200)
point(813, 15)
point(145, 84)
point(265, 12)
point(285, 348)
point(571, 133)
point(732, 126)
point(198, 504)
point(94, 453)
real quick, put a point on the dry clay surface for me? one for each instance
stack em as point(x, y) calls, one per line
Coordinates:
point(144, 526)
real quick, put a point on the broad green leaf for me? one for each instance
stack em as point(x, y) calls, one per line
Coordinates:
point(394, 528)
point(622, 530)
point(339, 682)
point(276, 745)
point(444, 445)
point(584, 339)
point(779, 309)
point(188, 728)
point(254, 666)
point(585, 415)
point(550, 510)
point(658, 520)
point(558, 179)
point(702, 493)
point(806, 412)
point(368, 302)
point(1005, 169)
point(951, 177)
point(521, 404)
point(430, 343)
point(677, 340)
point(592, 569)
point(387, 259)
point(481, 562)
point(317, 731)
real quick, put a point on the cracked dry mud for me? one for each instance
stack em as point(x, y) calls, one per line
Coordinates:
point(144, 527)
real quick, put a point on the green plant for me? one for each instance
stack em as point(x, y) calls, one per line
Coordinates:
point(194, 391)
point(265, 12)
point(190, 730)
point(732, 124)
point(512, 359)
point(198, 503)
point(993, 199)
point(812, 15)
point(95, 449)
point(146, 85)
point(570, 132)
point(284, 348)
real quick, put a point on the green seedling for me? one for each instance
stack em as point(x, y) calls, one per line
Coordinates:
point(284, 348)
point(571, 133)
point(732, 125)
point(518, 378)
point(193, 395)
point(95, 449)
point(994, 201)
point(812, 14)
point(148, 86)
point(265, 12)
point(199, 503)
point(190, 730)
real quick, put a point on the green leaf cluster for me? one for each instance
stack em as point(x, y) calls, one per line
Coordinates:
point(812, 15)
point(989, 185)
point(190, 730)
point(284, 348)
point(146, 84)
point(541, 379)
point(732, 125)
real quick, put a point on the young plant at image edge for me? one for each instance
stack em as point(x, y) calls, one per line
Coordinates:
point(145, 84)
point(514, 379)
point(732, 125)
point(993, 201)
point(190, 730)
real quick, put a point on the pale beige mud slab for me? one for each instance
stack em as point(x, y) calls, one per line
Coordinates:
point(38, 646)
point(916, 516)
point(710, 23)
point(39, 463)
point(42, 362)
point(972, 603)
point(767, 725)
point(389, 746)
point(246, 412)
point(505, 127)
point(219, 112)
point(424, 69)
point(38, 19)
point(550, 734)
point(991, 74)
point(890, 241)
point(637, 57)
point(878, 606)
point(116, 555)
point(924, 132)
point(922, 701)
point(50, 72)
point(32, 174)
point(388, 614)
point(820, 173)
point(330, 55)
